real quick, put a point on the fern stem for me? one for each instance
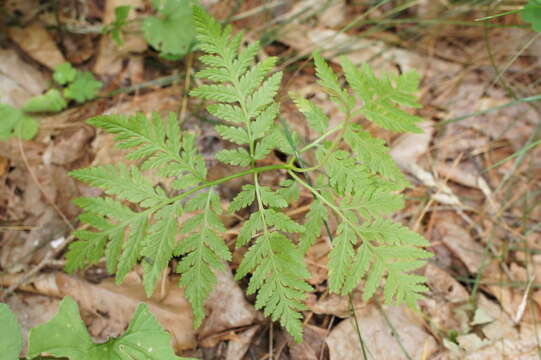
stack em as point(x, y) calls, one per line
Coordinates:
point(327, 202)
point(320, 139)
point(219, 181)
point(318, 195)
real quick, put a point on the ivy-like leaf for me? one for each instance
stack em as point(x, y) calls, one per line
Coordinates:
point(11, 341)
point(16, 123)
point(65, 335)
point(172, 33)
point(531, 13)
point(121, 19)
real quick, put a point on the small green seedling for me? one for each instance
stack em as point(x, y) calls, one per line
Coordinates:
point(115, 28)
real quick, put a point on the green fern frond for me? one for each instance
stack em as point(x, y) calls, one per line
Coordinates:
point(125, 183)
point(137, 219)
point(160, 146)
point(316, 117)
point(271, 198)
point(374, 155)
point(131, 248)
point(238, 156)
point(341, 256)
point(329, 81)
point(243, 199)
point(385, 231)
point(313, 224)
point(203, 251)
point(247, 99)
point(373, 202)
point(381, 96)
point(236, 135)
point(126, 236)
point(250, 228)
point(278, 276)
point(362, 185)
point(264, 121)
point(345, 174)
point(85, 252)
point(158, 245)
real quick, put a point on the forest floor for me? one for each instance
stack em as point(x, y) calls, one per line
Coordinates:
point(476, 174)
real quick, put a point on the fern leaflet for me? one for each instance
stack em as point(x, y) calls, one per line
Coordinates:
point(245, 99)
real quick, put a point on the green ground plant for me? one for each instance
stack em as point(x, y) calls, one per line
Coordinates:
point(171, 32)
point(76, 85)
point(354, 179)
point(65, 336)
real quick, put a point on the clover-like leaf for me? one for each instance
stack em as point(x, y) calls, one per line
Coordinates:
point(84, 87)
point(64, 73)
point(14, 122)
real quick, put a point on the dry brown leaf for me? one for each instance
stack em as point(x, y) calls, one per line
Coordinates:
point(24, 10)
point(238, 346)
point(444, 285)
point(305, 39)
point(312, 346)
point(337, 305)
point(505, 340)
point(36, 41)
point(407, 150)
point(454, 235)
point(19, 81)
point(68, 147)
point(227, 309)
point(344, 344)
point(513, 300)
point(334, 13)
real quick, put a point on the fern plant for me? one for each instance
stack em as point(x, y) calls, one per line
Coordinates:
point(354, 180)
